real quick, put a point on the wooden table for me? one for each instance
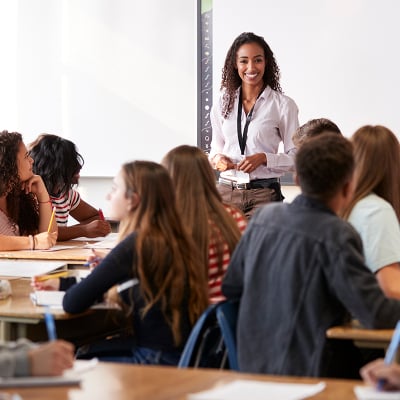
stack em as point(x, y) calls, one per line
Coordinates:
point(133, 382)
point(19, 317)
point(76, 255)
point(363, 337)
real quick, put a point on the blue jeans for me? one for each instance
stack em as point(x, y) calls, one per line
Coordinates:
point(126, 351)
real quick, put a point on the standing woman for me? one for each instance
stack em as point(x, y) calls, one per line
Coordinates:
point(375, 208)
point(58, 162)
point(248, 124)
point(157, 262)
point(215, 227)
point(25, 207)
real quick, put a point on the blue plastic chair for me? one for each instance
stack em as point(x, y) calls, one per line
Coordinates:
point(212, 341)
point(227, 313)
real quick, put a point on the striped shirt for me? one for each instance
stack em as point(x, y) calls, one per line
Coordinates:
point(7, 227)
point(65, 203)
point(214, 275)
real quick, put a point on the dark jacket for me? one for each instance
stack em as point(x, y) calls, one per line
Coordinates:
point(297, 271)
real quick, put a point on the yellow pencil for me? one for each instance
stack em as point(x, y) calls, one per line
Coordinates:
point(61, 274)
point(51, 219)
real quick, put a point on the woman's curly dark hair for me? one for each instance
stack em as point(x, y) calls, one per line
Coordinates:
point(22, 208)
point(230, 77)
point(57, 161)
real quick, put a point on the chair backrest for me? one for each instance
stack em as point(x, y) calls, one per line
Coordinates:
point(227, 313)
point(212, 342)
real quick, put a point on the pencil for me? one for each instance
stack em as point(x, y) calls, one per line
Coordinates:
point(51, 220)
point(41, 278)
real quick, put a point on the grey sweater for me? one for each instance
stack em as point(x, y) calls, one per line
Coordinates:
point(14, 358)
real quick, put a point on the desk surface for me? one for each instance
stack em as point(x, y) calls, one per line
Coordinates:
point(356, 332)
point(19, 305)
point(133, 382)
point(78, 254)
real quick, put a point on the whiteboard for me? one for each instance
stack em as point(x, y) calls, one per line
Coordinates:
point(117, 77)
point(339, 59)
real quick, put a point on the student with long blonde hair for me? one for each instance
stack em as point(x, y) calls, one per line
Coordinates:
point(157, 259)
point(215, 227)
point(375, 207)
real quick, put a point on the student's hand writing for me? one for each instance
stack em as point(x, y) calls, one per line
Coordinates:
point(51, 359)
point(97, 228)
point(48, 284)
point(223, 163)
point(377, 370)
point(250, 163)
point(95, 259)
point(45, 240)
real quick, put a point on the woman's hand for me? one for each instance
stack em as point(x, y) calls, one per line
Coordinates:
point(48, 284)
point(223, 163)
point(251, 163)
point(377, 370)
point(97, 228)
point(45, 240)
point(36, 185)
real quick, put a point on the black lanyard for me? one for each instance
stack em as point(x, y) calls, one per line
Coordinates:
point(243, 137)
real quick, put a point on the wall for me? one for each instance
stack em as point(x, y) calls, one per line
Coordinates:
point(338, 58)
point(117, 77)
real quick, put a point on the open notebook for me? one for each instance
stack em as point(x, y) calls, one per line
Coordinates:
point(72, 376)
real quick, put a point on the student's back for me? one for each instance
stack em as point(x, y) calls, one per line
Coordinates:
point(299, 270)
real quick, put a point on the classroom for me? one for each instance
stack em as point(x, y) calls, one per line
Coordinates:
point(129, 83)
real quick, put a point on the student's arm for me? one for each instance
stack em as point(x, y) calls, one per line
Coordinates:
point(356, 286)
point(389, 280)
point(115, 268)
point(89, 224)
point(42, 241)
point(36, 186)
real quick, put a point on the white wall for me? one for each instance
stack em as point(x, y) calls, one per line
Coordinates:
point(118, 77)
point(339, 58)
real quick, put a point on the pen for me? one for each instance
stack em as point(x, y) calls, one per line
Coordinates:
point(101, 215)
point(50, 325)
point(41, 278)
point(51, 219)
point(89, 263)
point(391, 351)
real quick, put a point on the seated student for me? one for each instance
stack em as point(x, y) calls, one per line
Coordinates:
point(58, 163)
point(158, 259)
point(215, 227)
point(374, 210)
point(23, 358)
point(25, 208)
point(298, 270)
point(377, 370)
point(314, 127)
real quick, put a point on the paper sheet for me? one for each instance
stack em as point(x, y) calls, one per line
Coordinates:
point(28, 268)
point(370, 393)
point(255, 390)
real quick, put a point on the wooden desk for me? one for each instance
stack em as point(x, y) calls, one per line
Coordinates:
point(133, 382)
point(76, 255)
point(19, 317)
point(363, 337)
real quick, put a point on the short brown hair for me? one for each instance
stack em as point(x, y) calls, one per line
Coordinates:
point(324, 164)
point(314, 127)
